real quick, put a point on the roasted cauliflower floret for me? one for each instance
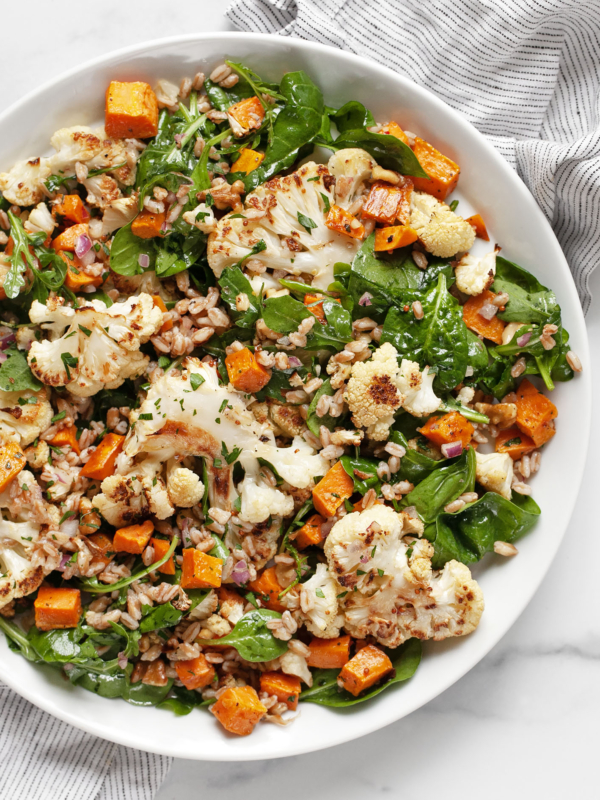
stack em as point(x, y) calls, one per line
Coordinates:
point(494, 472)
point(23, 185)
point(23, 422)
point(184, 487)
point(351, 168)
point(373, 394)
point(260, 501)
point(419, 398)
point(442, 232)
point(117, 213)
point(92, 148)
point(92, 347)
point(274, 211)
point(392, 591)
point(318, 601)
point(126, 499)
point(18, 576)
point(475, 274)
point(40, 219)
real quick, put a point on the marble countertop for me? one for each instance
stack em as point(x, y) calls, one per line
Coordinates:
point(524, 722)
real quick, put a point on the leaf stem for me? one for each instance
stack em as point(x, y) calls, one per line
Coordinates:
point(112, 587)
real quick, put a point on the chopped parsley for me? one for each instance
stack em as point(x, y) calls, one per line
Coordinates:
point(307, 223)
point(196, 380)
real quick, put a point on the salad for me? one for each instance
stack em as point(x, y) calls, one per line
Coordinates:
point(264, 399)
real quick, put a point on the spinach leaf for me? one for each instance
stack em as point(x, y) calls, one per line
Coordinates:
point(313, 421)
point(15, 375)
point(118, 684)
point(157, 617)
point(17, 640)
point(363, 472)
point(232, 283)
point(530, 301)
point(62, 646)
point(126, 250)
point(252, 639)
point(279, 384)
point(392, 273)
point(182, 701)
point(414, 466)
point(469, 534)
point(284, 314)
point(477, 354)
point(296, 126)
point(168, 263)
point(439, 340)
point(164, 156)
point(388, 151)
point(325, 691)
point(468, 413)
point(443, 485)
point(220, 550)
point(352, 115)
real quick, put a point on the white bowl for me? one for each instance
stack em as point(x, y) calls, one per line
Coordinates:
point(487, 185)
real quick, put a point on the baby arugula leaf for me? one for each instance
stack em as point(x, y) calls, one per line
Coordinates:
point(251, 637)
point(19, 259)
point(326, 692)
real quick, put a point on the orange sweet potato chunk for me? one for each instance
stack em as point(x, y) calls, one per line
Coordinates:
point(476, 222)
point(394, 236)
point(247, 161)
point(133, 538)
point(488, 328)
point(393, 129)
point(102, 461)
point(238, 710)
point(365, 669)
point(131, 110)
point(57, 608)
point(66, 240)
point(314, 303)
point(387, 203)
point(76, 278)
point(245, 373)
point(514, 442)
point(148, 224)
point(267, 588)
point(442, 171)
point(160, 549)
point(341, 221)
point(196, 673)
point(535, 413)
point(310, 532)
point(102, 549)
point(71, 206)
point(67, 436)
point(452, 427)
point(286, 688)
point(332, 490)
point(248, 113)
point(12, 461)
point(329, 653)
point(199, 570)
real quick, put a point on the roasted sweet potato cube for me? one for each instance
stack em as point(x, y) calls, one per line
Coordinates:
point(442, 171)
point(387, 203)
point(148, 224)
point(196, 673)
point(245, 373)
point(76, 279)
point(341, 221)
point(331, 491)
point(451, 427)
point(286, 688)
point(57, 608)
point(102, 461)
point(314, 303)
point(365, 669)
point(247, 115)
point(267, 588)
point(310, 532)
point(67, 436)
point(200, 571)
point(101, 548)
point(133, 538)
point(394, 236)
point(393, 129)
point(12, 461)
point(238, 710)
point(535, 413)
point(247, 161)
point(514, 442)
point(71, 207)
point(488, 328)
point(67, 239)
point(478, 224)
point(131, 110)
point(160, 549)
point(329, 653)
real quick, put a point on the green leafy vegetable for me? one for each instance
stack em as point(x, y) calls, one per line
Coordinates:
point(251, 637)
point(233, 282)
point(388, 151)
point(443, 485)
point(15, 375)
point(126, 250)
point(94, 586)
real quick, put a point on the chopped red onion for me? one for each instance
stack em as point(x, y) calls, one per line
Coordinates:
point(178, 139)
point(294, 362)
point(327, 526)
point(522, 340)
point(364, 559)
point(240, 574)
point(366, 299)
point(452, 449)
point(83, 244)
point(488, 311)
point(88, 258)
point(122, 660)
point(144, 260)
point(3, 357)
point(64, 560)
point(7, 340)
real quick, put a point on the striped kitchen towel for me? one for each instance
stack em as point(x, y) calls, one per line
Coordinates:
point(524, 72)
point(43, 758)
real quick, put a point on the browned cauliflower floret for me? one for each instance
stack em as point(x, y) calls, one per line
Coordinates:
point(372, 394)
point(23, 422)
point(392, 591)
point(442, 232)
point(475, 274)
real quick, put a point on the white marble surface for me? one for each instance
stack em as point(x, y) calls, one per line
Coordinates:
point(524, 722)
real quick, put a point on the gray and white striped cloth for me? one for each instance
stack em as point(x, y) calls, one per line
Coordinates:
point(524, 72)
point(43, 758)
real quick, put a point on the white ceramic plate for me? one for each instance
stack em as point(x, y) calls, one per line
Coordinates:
point(487, 185)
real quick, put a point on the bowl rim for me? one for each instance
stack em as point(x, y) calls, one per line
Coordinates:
point(127, 737)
